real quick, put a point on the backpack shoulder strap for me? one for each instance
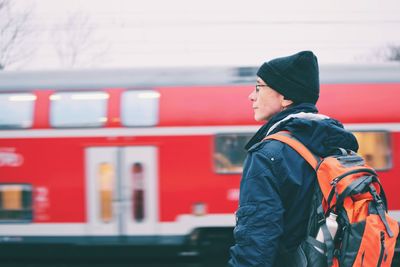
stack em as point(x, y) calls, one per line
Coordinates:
point(287, 138)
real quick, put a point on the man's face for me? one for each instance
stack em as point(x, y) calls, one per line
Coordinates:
point(266, 101)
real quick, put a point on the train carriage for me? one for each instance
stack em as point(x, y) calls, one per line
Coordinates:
point(154, 156)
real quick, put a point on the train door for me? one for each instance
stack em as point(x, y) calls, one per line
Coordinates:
point(121, 190)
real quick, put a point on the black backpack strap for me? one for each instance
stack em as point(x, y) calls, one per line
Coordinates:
point(316, 243)
point(314, 218)
point(334, 182)
point(356, 187)
point(379, 208)
point(328, 240)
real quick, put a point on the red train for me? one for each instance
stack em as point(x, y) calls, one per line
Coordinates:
point(154, 156)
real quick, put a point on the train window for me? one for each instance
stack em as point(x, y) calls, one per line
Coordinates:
point(106, 186)
point(138, 211)
point(15, 203)
point(78, 109)
point(139, 108)
point(375, 148)
point(16, 110)
point(229, 152)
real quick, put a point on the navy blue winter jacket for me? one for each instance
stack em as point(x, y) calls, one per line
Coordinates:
point(277, 185)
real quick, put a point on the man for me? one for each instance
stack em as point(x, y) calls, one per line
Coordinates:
point(277, 184)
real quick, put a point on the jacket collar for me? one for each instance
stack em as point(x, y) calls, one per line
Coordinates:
point(301, 115)
point(272, 125)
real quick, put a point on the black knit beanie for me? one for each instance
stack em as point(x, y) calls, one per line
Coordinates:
point(296, 77)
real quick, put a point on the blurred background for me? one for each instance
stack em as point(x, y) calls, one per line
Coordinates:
point(122, 123)
point(45, 34)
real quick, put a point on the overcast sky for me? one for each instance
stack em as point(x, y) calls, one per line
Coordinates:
point(131, 33)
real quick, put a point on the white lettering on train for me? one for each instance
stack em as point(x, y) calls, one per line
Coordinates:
point(10, 158)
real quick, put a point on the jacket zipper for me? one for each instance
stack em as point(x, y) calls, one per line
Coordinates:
point(382, 249)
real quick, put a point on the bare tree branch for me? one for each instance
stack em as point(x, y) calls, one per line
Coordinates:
point(14, 33)
point(74, 41)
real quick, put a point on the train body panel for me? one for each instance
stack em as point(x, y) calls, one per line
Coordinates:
point(166, 178)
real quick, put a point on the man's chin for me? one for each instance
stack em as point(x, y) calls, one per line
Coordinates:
point(259, 119)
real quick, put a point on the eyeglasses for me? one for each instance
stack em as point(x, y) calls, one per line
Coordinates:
point(260, 85)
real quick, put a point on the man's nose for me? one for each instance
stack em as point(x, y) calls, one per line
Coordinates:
point(252, 96)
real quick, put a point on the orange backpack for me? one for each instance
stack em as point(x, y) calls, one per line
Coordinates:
point(366, 234)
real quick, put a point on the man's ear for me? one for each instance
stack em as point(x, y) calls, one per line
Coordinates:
point(286, 103)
